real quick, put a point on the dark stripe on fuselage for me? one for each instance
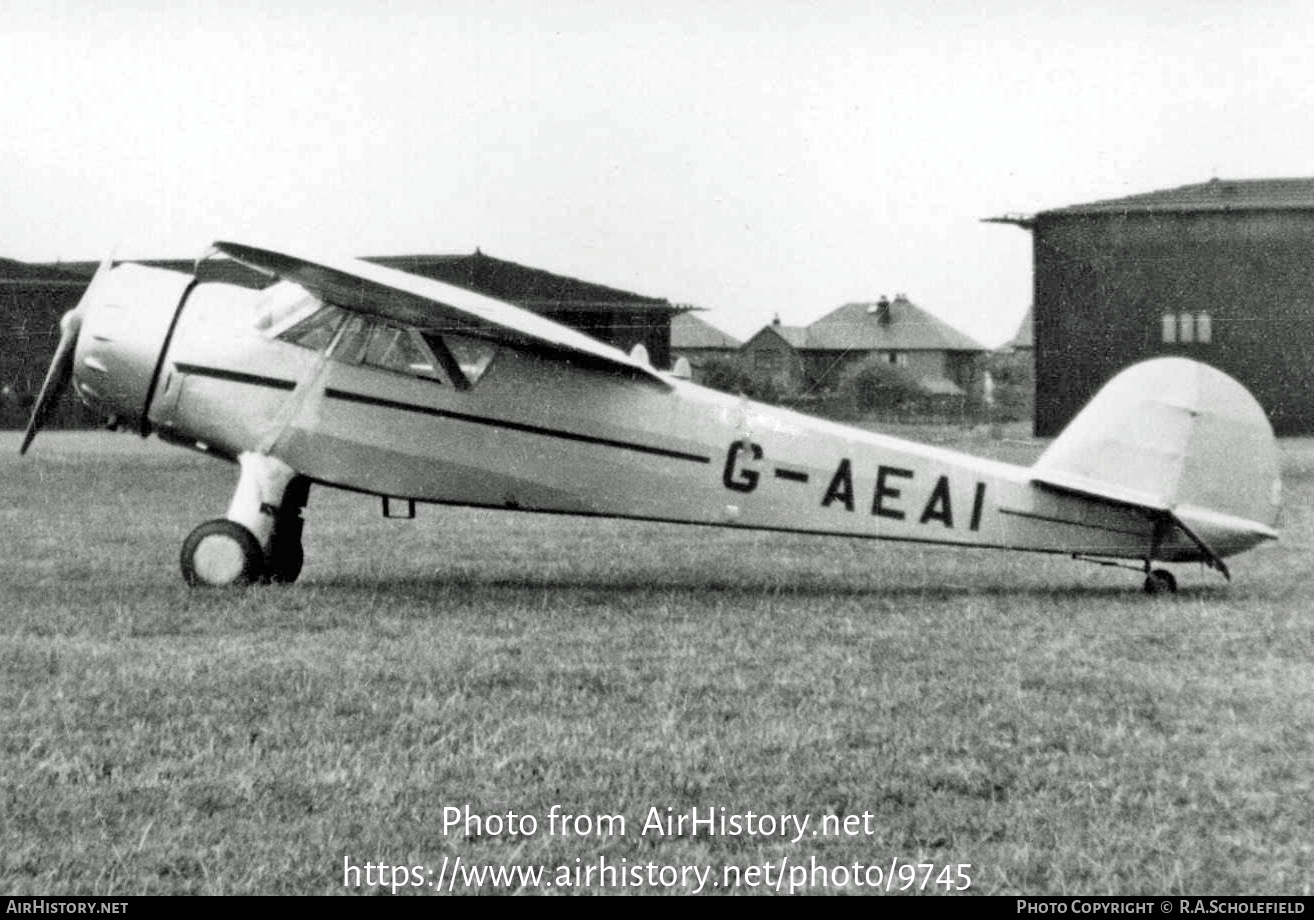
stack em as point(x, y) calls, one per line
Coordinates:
point(1055, 520)
point(512, 426)
point(219, 373)
point(274, 382)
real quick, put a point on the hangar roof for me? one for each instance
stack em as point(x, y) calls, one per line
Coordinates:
point(1214, 195)
point(12, 271)
point(520, 284)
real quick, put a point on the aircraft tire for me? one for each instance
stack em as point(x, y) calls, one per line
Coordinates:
point(1160, 581)
point(219, 554)
point(283, 561)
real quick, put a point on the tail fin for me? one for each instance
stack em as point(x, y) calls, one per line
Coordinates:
point(1178, 437)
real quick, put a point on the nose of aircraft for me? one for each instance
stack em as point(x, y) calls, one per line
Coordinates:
point(112, 342)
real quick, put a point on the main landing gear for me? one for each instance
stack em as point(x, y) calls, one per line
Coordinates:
point(260, 537)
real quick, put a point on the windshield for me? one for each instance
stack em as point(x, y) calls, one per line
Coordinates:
point(281, 305)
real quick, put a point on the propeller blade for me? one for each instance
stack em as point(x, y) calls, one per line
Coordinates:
point(61, 369)
point(61, 366)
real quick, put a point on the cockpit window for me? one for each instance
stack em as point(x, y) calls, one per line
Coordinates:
point(459, 360)
point(281, 304)
point(317, 330)
point(472, 355)
point(393, 348)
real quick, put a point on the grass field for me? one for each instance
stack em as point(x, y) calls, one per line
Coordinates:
point(1035, 718)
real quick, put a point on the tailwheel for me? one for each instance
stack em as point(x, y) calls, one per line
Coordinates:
point(221, 553)
point(1160, 581)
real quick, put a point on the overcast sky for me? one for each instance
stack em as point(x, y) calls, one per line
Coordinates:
point(752, 158)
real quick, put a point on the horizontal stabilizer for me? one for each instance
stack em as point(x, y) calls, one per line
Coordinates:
point(1093, 488)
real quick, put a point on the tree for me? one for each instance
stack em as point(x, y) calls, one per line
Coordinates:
point(726, 375)
point(878, 386)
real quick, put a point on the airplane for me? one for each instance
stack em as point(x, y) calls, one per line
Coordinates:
point(350, 375)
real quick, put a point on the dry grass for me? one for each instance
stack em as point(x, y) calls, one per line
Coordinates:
point(1036, 718)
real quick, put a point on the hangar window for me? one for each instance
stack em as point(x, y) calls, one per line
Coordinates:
point(1187, 328)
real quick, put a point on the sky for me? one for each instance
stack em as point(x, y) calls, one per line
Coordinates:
point(751, 158)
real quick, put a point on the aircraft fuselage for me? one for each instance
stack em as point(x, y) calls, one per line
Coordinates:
point(540, 433)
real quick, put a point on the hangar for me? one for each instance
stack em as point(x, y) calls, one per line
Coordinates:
point(35, 296)
point(1220, 271)
point(32, 299)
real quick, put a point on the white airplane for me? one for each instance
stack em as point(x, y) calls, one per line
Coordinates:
point(350, 375)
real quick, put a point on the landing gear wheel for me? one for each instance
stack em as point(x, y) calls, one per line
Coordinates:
point(284, 557)
point(283, 561)
point(221, 553)
point(1160, 581)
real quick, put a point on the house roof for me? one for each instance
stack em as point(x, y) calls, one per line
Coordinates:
point(1025, 336)
point(689, 331)
point(885, 325)
point(529, 287)
point(1214, 195)
point(796, 336)
point(793, 336)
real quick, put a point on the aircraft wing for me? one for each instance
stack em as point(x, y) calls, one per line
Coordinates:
point(433, 305)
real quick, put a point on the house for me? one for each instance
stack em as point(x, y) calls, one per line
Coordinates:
point(774, 355)
point(1219, 271)
point(698, 342)
point(814, 358)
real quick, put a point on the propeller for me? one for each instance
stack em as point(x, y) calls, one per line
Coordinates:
point(61, 366)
